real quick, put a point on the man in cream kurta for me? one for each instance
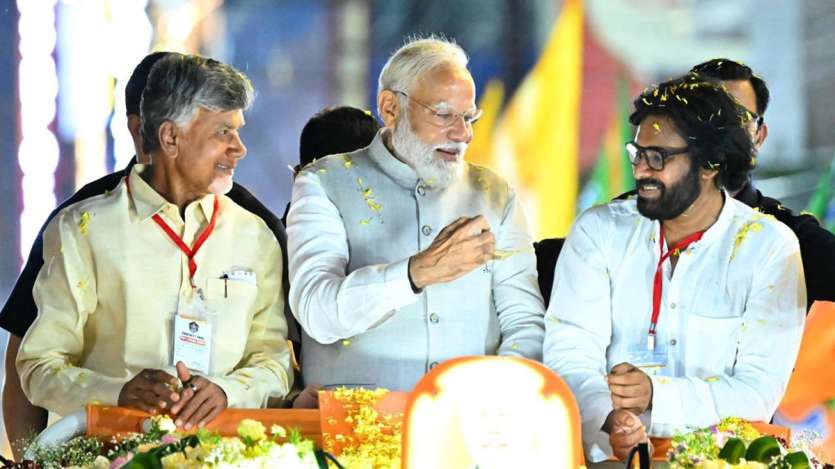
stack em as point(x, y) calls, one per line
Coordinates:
point(113, 279)
point(383, 291)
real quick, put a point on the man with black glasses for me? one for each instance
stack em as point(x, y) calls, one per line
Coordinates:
point(682, 306)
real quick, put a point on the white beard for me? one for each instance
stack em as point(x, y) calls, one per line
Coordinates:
point(421, 156)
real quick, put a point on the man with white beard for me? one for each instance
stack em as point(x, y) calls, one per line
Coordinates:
point(401, 254)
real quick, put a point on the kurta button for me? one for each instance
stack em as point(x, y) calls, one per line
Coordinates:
point(421, 190)
point(672, 306)
point(427, 230)
point(433, 365)
point(433, 318)
point(673, 342)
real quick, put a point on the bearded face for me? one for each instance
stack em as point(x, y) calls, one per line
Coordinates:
point(439, 165)
point(658, 201)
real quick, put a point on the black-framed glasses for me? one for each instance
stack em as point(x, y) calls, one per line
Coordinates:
point(445, 118)
point(654, 156)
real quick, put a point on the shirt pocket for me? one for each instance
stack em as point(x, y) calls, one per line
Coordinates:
point(712, 345)
point(232, 303)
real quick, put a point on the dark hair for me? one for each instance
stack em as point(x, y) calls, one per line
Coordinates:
point(709, 119)
point(136, 82)
point(725, 69)
point(336, 130)
point(179, 85)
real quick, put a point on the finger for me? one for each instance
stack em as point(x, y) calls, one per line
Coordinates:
point(449, 229)
point(184, 418)
point(629, 402)
point(625, 391)
point(475, 226)
point(159, 376)
point(165, 394)
point(623, 368)
point(185, 396)
point(205, 413)
point(631, 378)
point(137, 401)
point(183, 372)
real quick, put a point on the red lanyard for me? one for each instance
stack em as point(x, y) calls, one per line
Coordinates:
point(198, 243)
point(657, 283)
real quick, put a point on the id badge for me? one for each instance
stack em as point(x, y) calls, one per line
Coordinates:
point(651, 362)
point(193, 336)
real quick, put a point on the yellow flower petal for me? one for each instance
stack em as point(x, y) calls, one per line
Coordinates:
point(84, 223)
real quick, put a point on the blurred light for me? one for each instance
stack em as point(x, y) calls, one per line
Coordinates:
point(38, 151)
point(130, 33)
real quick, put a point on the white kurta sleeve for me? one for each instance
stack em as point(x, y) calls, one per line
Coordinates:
point(329, 304)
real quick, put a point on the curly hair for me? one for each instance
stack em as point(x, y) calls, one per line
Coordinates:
point(711, 121)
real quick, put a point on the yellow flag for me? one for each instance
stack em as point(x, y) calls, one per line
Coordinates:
point(537, 139)
point(480, 151)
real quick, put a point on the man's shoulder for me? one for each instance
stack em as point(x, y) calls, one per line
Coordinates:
point(484, 179)
point(747, 219)
point(99, 204)
point(617, 212)
point(357, 158)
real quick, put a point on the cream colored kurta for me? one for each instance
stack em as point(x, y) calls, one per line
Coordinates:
point(112, 282)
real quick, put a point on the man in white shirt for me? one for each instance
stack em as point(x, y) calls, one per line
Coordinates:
point(402, 255)
point(682, 306)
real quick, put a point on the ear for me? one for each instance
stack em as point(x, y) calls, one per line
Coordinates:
point(762, 134)
point(389, 108)
point(169, 137)
point(708, 174)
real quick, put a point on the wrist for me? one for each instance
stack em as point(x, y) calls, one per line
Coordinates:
point(416, 284)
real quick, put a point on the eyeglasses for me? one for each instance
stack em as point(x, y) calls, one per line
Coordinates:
point(654, 156)
point(445, 118)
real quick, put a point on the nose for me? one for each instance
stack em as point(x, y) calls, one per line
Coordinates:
point(460, 131)
point(641, 169)
point(237, 149)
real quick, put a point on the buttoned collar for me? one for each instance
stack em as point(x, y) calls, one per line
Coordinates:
point(148, 202)
point(401, 173)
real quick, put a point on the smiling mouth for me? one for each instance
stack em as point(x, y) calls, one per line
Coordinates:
point(448, 154)
point(649, 190)
point(228, 169)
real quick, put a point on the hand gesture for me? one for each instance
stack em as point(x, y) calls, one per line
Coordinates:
point(460, 247)
point(630, 387)
point(625, 432)
point(200, 402)
point(151, 391)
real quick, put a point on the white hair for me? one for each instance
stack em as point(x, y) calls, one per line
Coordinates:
point(417, 56)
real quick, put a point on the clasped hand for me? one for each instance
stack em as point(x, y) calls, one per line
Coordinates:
point(154, 391)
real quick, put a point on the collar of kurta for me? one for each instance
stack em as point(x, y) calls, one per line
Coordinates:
point(147, 202)
point(716, 230)
point(398, 171)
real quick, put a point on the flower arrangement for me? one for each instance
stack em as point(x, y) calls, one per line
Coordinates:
point(375, 440)
point(161, 447)
point(736, 444)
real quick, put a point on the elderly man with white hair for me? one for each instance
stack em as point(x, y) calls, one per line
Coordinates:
point(401, 254)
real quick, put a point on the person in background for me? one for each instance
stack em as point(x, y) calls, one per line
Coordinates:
point(817, 244)
point(333, 130)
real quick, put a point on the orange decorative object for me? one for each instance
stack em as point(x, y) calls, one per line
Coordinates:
point(491, 412)
point(813, 381)
point(105, 421)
